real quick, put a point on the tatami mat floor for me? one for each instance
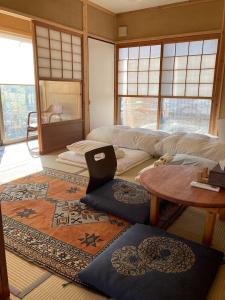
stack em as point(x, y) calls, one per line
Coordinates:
point(28, 281)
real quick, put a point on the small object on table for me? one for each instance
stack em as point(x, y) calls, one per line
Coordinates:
point(203, 176)
point(217, 177)
point(205, 186)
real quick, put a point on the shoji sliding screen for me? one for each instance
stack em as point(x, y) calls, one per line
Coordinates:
point(58, 56)
point(169, 85)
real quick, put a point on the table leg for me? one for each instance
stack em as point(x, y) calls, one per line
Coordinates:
point(209, 227)
point(154, 209)
point(222, 214)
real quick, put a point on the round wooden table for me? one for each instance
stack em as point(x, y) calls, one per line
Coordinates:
point(172, 183)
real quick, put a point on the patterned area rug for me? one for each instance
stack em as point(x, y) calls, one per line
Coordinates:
point(45, 223)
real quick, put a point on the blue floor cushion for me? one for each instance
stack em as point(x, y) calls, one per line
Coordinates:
point(123, 199)
point(148, 263)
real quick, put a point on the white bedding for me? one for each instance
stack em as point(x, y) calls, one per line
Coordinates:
point(130, 160)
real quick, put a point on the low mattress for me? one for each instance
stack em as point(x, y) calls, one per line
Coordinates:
point(131, 159)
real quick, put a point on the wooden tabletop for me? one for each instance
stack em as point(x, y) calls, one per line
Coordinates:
point(173, 183)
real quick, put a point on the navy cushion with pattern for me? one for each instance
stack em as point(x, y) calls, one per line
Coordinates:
point(148, 263)
point(123, 199)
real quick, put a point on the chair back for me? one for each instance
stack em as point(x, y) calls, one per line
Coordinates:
point(101, 165)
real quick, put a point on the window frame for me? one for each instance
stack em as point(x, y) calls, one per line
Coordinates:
point(160, 97)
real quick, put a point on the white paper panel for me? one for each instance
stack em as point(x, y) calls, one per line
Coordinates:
point(155, 51)
point(133, 52)
point(154, 77)
point(42, 31)
point(42, 42)
point(167, 76)
point(76, 49)
point(66, 47)
point(76, 40)
point(143, 77)
point(132, 77)
point(56, 73)
point(123, 53)
point(169, 50)
point(67, 56)
point(180, 62)
point(153, 89)
point(44, 72)
point(43, 53)
point(178, 89)
point(191, 90)
point(182, 49)
point(210, 46)
point(77, 58)
point(143, 89)
point(207, 76)
point(56, 64)
point(122, 77)
point(143, 64)
point(122, 65)
point(133, 65)
point(208, 61)
point(44, 62)
point(77, 75)
point(132, 89)
point(55, 45)
point(195, 48)
point(77, 66)
point(67, 74)
point(55, 35)
point(194, 62)
point(168, 63)
point(55, 54)
point(193, 76)
point(122, 89)
point(144, 52)
point(66, 37)
point(179, 76)
point(166, 89)
point(154, 64)
point(67, 65)
point(205, 90)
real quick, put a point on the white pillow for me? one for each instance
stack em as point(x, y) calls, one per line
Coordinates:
point(82, 147)
point(106, 133)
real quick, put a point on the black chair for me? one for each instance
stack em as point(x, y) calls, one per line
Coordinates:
point(115, 196)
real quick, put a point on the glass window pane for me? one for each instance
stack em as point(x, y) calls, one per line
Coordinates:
point(122, 65)
point(154, 64)
point(143, 77)
point(155, 51)
point(123, 53)
point(180, 62)
point(178, 89)
point(193, 76)
point(153, 89)
point(122, 77)
point(132, 65)
point(207, 76)
point(179, 76)
point(208, 61)
point(143, 64)
point(132, 77)
point(122, 89)
point(169, 50)
point(185, 115)
point(154, 77)
point(132, 89)
point(210, 46)
point(168, 63)
point(182, 49)
point(195, 48)
point(205, 90)
point(145, 52)
point(139, 112)
point(133, 52)
point(167, 76)
point(167, 89)
point(143, 89)
point(194, 62)
point(192, 89)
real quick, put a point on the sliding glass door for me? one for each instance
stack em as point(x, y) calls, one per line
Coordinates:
point(17, 89)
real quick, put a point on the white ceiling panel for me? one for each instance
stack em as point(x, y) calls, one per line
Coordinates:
point(119, 6)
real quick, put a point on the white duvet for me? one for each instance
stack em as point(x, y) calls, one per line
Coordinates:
point(130, 160)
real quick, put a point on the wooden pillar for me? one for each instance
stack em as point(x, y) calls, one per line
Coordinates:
point(85, 70)
point(4, 285)
point(219, 91)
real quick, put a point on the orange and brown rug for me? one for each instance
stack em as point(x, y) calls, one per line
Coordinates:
point(45, 222)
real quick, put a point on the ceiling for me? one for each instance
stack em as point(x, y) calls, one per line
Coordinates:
point(119, 6)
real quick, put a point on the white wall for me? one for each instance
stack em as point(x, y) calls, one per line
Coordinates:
point(101, 83)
